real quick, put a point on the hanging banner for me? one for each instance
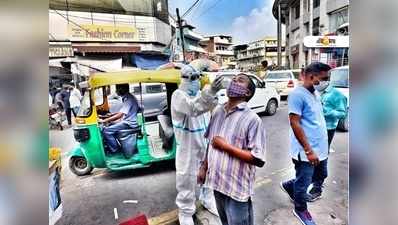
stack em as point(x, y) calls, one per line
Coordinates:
point(102, 33)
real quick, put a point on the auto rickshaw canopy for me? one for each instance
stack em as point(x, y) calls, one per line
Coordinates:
point(138, 76)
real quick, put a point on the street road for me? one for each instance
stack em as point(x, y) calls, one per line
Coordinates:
point(91, 200)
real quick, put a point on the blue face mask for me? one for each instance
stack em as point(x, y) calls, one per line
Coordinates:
point(193, 88)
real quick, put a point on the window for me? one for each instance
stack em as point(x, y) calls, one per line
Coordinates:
point(339, 78)
point(85, 106)
point(307, 28)
point(336, 19)
point(137, 90)
point(286, 75)
point(297, 11)
point(296, 74)
point(99, 96)
point(315, 27)
point(255, 81)
point(316, 3)
point(151, 89)
point(306, 5)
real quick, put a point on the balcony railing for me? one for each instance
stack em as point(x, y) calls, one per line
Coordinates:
point(224, 52)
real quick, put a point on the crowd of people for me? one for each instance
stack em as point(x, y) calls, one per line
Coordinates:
point(66, 99)
point(223, 149)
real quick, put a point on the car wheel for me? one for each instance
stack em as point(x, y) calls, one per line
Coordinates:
point(271, 108)
point(79, 166)
point(343, 124)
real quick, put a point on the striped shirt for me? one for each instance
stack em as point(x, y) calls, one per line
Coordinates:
point(243, 129)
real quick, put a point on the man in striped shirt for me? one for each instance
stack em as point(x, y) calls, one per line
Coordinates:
point(237, 146)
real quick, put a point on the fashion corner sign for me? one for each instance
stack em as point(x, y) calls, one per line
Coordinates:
point(327, 41)
point(102, 33)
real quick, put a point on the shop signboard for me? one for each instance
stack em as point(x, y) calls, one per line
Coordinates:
point(327, 41)
point(60, 50)
point(101, 33)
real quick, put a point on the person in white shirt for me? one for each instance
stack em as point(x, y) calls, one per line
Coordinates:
point(74, 99)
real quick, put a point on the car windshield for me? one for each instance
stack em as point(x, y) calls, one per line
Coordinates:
point(339, 78)
point(85, 107)
point(278, 75)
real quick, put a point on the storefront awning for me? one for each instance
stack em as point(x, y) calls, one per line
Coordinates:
point(107, 49)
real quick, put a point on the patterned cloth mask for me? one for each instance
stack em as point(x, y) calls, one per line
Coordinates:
point(235, 90)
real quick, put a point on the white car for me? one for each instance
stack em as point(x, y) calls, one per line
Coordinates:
point(339, 78)
point(266, 99)
point(283, 80)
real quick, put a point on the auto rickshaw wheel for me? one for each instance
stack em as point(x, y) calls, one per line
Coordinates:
point(79, 166)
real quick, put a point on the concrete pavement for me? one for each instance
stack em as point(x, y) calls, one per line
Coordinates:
point(91, 199)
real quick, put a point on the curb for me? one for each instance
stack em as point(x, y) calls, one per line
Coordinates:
point(201, 217)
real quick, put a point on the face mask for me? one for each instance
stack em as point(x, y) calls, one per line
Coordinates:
point(321, 86)
point(235, 90)
point(193, 88)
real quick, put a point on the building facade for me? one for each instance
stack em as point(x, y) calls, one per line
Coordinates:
point(194, 49)
point(219, 48)
point(107, 35)
point(313, 20)
point(249, 56)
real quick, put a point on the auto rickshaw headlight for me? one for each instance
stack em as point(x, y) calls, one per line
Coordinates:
point(81, 134)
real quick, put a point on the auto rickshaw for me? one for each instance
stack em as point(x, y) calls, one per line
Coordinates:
point(154, 140)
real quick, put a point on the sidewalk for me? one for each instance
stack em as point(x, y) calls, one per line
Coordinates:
point(322, 213)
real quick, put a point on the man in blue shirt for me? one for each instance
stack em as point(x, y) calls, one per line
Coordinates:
point(127, 116)
point(308, 139)
point(334, 108)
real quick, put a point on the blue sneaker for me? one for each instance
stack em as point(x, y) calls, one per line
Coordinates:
point(285, 188)
point(304, 217)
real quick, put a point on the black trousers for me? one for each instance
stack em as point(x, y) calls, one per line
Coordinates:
point(68, 112)
point(331, 135)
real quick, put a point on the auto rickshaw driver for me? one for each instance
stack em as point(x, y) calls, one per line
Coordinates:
point(126, 118)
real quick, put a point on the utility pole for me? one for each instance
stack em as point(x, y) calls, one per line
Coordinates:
point(279, 31)
point(181, 33)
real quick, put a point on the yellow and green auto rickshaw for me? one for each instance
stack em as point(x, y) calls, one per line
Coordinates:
point(152, 141)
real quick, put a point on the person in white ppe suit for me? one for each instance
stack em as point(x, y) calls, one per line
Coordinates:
point(190, 112)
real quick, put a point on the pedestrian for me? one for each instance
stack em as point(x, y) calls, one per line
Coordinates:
point(190, 115)
point(65, 94)
point(58, 99)
point(308, 139)
point(50, 100)
point(74, 99)
point(264, 71)
point(238, 139)
point(334, 105)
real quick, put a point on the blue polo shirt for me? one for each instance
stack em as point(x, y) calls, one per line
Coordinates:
point(129, 109)
point(308, 105)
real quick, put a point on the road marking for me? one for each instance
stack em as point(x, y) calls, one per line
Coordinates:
point(261, 182)
point(115, 213)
